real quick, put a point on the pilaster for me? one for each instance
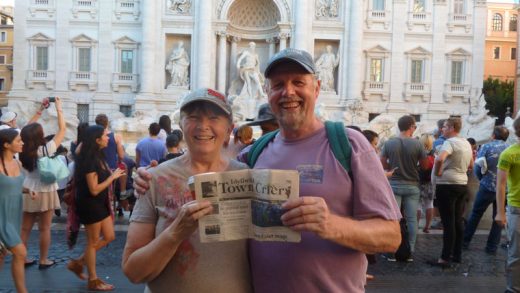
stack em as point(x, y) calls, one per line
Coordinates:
point(438, 63)
point(203, 44)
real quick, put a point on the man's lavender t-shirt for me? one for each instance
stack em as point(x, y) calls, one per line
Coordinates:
point(314, 264)
point(150, 149)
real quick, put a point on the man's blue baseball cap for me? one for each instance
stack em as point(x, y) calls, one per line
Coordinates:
point(301, 57)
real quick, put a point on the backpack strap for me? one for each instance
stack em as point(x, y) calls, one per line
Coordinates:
point(258, 147)
point(339, 143)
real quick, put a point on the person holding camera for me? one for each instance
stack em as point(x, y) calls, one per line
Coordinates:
point(39, 199)
point(8, 119)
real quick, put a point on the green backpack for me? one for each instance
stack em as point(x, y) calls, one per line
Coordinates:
point(338, 140)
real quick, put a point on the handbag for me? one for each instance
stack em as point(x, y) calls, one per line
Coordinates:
point(51, 169)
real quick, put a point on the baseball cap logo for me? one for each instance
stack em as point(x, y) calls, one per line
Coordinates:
point(216, 94)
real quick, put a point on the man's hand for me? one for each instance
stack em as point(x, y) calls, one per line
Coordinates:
point(501, 219)
point(142, 181)
point(307, 214)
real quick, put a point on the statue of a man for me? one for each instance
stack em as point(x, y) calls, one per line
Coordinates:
point(325, 66)
point(248, 67)
point(178, 65)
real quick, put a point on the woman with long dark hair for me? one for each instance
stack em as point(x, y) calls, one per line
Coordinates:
point(166, 127)
point(11, 202)
point(39, 199)
point(93, 180)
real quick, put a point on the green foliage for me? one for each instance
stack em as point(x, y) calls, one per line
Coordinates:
point(499, 95)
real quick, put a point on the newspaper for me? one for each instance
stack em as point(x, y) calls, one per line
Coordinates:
point(246, 204)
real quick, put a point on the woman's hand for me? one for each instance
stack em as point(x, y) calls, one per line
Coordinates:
point(117, 173)
point(187, 219)
point(34, 195)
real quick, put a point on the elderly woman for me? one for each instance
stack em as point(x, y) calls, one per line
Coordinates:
point(162, 248)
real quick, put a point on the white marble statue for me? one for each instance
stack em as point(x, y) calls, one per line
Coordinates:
point(508, 123)
point(478, 124)
point(248, 66)
point(180, 6)
point(178, 66)
point(326, 8)
point(325, 66)
point(247, 92)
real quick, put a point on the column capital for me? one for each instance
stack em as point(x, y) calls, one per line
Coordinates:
point(272, 40)
point(234, 39)
point(284, 35)
point(221, 33)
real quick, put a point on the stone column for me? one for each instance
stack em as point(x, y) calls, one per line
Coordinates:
point(283, 40)
point(397, 76)
point(203, 44)
point(148, 47)
point(303, 24)
point(233, 58)
point(222, 62)
point(105, 67)
point(438, 63)
point(343, 62)
point(20, 60)
point(479, 30)
point(355, 53)
point(272, 46)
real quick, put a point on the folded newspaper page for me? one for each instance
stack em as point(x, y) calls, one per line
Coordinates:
point(246, 204)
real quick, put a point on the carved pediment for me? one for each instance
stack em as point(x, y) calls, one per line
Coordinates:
point(125, 40)
point(459, 53)
point(83, 39)
point(377, 49)
point(419, 51)
point(40, 37)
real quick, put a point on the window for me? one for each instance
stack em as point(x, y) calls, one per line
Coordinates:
point(496, 53)
point(497, 22)
point(376, 70)
point(456, 72)
point(419, 5)
point(512, 23)
point(379, 5)
point(2, 82)
point(417, 71)
point(126, 110)
point(513, 53)
point(84, 59)
point(83, 112)
point(2, 59)
point(417, 117)
point(42, 58)
point(3, 37)
point(458, 7)
point(127, 61)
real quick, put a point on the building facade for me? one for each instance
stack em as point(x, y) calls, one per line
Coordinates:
point(6, 52)
point(420, 57)
point(501, 38)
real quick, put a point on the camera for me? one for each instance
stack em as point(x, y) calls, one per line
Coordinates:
point(52, 99)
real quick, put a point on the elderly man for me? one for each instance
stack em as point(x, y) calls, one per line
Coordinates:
point(509, 171)
point(341, 215)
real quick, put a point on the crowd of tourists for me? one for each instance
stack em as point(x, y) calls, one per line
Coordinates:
point(350, 207)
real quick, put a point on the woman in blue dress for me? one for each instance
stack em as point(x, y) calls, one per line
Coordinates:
point(11, 204)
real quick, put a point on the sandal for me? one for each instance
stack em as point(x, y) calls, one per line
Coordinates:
point(76, 267)
point(44, 266)
point(98, 285)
